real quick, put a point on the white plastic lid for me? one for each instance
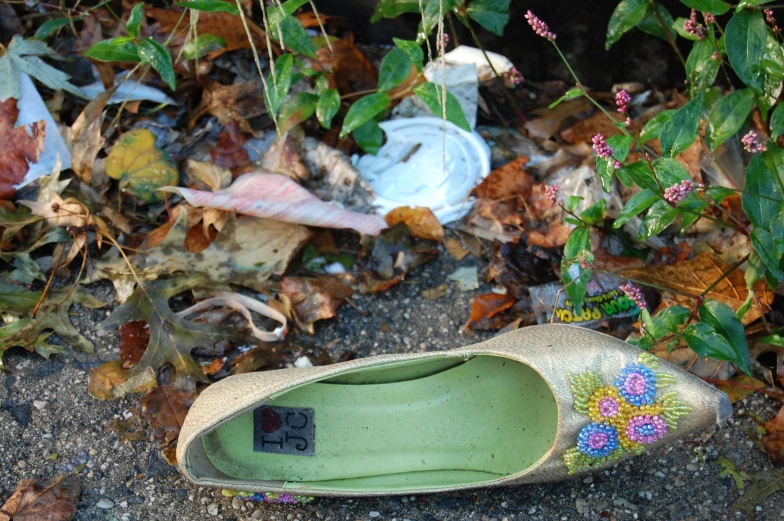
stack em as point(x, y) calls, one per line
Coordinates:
point(409, 170)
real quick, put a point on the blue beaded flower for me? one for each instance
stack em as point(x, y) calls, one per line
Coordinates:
point(637, 384)
point(597, 440)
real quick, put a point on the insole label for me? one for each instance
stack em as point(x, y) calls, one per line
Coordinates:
point(284, 430)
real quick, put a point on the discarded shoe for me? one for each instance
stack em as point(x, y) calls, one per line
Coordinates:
point(537, 404)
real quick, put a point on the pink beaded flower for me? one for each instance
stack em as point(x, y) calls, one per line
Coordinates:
point(752, 143)
point(680, 191)
point(601, 147)
point(539, 26)
point(622, 99)
point(551, 192)
point(646, 429)
point(693, 27)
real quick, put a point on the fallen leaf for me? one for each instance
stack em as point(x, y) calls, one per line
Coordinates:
point(487, 306)
point(228, 151)
point(24, 56)
point(393, 254)
point(317, 298)
point(207, 176)
point(262, 356)
point(277, 197)
point(763, 484)
point(140, 166)
point(556, 236)
point(518, 266)
point(604, 260)
point(165, 408)
point(773, 440)
point(106, 377)
point(172, 338)
point(126, 430)
point(455, 249)
point(598, 123)
point(284, 157)
point(510, 180)
point(351, 70)
point(466, 277)
point(231, 103)
point(550, 120)
point(695, 276)
point(86, 137)
point(134, 337)
point(34, 500)
point(435, 292)
point(740, 387)
point(18, 147)
point(420, 220)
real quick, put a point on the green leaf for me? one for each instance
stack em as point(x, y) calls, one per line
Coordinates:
point(620, 143)
point(639, 173)
point(278, 87)
point(771, 81)
point(680, 131)
point(677, 26)
point(134, 22)
point(578, 242)
point(393, 9)
point(363, 111)
point(369, 136)
point(763, 244)
point(701, 68)
point(692, 209)
point(413, 50)
point(573, 202)
point(395, 68)
point(106, 51)
point(777, 122)
point(626, 15)
point(296, 109)
point(745, 37)
point(638, 203)
point(49, 27)
point(574, 92)
point(327, 106)
point(278, 13)
point(25, 56)
point(667, 321)
point(669, 171)
point(719, 193)
point(429, 94)
point(727, 116)
point(726, 323)
point(775, 340)
point(490, 14)
point(708, 6)
point(653, 127)
point(432, 12)
point(158, 57)
point(650, 22)
point(659, 217)
point(706, 342)
point(202, 46)
point(762, 194)
point(594, 213)
point(294, 37)
point(575, 277)
point(211, 6)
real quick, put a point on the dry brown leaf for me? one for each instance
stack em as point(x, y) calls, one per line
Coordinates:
point(87, 139)
point(420, 220)
point(773, 440)
point(550, 120)
point(740, 387)
point(555, 236)
point(284, 157)
point(134, 337)
point(105, 378)
point(238, 102)
point(351, 70)
point(165, 408)
point(229, 151)
point(318, 298)
point(583, 131)
point(34, 500)
point(607, 262)
point(18, 147)
point(207, 176)
point(435, 292)
point(695, 276)
point(223, 25)
point(455, 249)
point(487, 306)
point(510, 180)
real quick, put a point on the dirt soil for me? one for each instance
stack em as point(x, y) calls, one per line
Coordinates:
point(50, 424)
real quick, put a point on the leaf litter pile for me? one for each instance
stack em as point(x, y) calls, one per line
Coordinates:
point(228, 239)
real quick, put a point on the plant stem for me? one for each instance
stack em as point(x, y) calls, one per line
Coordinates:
point(724, 275)
point(667, 32)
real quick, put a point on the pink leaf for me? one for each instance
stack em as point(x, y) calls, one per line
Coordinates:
point(277, 197)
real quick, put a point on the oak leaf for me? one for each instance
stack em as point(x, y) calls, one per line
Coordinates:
point(317, 298)
point(19, 148)
point(34, 500)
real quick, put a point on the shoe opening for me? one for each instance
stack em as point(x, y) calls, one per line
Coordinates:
point(422, 424)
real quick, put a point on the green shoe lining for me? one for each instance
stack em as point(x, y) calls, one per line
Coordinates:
point(426, 423)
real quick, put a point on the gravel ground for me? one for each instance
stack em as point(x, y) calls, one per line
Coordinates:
point(50, 424)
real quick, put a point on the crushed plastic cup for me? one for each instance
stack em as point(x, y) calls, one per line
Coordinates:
point(423, 164)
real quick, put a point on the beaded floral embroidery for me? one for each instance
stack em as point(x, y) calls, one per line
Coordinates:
point(626, 416)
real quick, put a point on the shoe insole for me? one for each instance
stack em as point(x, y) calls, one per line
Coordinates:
point(469, 422)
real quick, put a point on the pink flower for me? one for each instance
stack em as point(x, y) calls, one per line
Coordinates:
point(539, 26)
point(692, 26)
point(622, 99)
point(514, 76)
point(646, 429)
point(601, 147)
point(617, 165)
point(629, 122)
point(634, 294)
point(677, 192)
point(709, 18)
point(716, 55)
point(552, 194)
point(771, 20)
point(752, 143)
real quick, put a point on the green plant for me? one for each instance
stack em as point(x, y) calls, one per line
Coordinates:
point(666, 193)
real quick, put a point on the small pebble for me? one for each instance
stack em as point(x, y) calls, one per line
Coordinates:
point(40, 404)
point(374, 514)
point(212, 509)
point(93, 452)
point(22, 464)
point(692, 467)
point(257, 514)
point(105, 503)
point(236, 503)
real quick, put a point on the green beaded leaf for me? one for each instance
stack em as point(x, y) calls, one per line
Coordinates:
point(665, 380)
point(583, 386)
point(673, 408)
point(652, 361)
point(576, 461)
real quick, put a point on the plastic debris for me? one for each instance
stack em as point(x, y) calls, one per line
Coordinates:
point(413, 169)
point(128, 89)
point(467, 278)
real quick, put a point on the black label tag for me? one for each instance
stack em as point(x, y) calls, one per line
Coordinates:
point(284, 430)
